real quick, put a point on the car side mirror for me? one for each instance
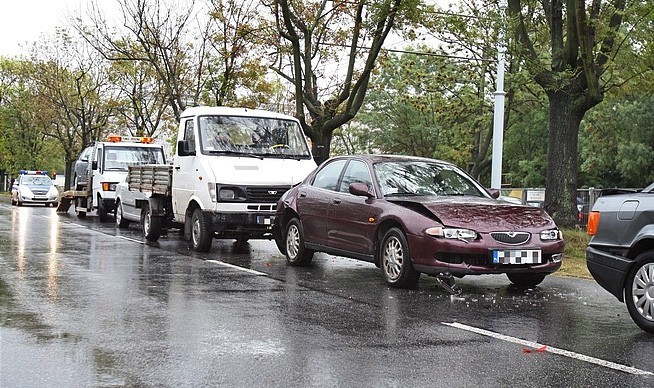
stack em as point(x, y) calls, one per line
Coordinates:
point(183, 148)
point(360, 189)
point(495, 193)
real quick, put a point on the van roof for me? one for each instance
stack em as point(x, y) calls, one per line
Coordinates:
point(228, 111)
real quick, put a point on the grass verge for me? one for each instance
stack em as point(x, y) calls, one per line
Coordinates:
point(574, 255)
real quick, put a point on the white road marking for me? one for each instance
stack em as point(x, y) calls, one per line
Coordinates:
point(131, 239)
point(248, 270)
point(551, 349)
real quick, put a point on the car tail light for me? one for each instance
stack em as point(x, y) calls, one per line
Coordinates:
point(593, 221)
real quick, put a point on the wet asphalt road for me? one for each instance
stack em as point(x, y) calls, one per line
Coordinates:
point(85, 304)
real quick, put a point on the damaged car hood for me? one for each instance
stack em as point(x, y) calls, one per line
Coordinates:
point(480, 214)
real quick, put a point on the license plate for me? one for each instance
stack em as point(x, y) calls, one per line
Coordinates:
point(514, 256)
point(265, 220)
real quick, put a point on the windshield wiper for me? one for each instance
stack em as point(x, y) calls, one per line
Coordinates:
point(235, 153)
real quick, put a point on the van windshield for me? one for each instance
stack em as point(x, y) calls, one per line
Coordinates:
point(118, 158)
point(263, 137)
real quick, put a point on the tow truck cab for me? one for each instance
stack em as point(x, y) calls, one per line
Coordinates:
point(109, 165)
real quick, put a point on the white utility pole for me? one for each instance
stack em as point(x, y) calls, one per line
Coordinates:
point(498, 114)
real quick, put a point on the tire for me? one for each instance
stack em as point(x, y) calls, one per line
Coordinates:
point(201, 236)
point(103, 214)
point(151, 224)
point(297, 255)
point(396, 265)
point(121, 222)
point(639, 291)
point(526, 280)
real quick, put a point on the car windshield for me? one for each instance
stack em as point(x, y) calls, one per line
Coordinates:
point(118, 158)
point(36, 180)
point(649, 189)
point(252, 136)
point(424, 178)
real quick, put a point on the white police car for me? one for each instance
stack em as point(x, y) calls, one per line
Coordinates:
point(34, 187)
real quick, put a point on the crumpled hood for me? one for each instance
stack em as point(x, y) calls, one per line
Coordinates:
point(483, 214)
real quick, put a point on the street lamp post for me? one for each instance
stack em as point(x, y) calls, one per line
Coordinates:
point(498, 114)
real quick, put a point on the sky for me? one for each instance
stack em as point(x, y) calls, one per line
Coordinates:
point(26, 20)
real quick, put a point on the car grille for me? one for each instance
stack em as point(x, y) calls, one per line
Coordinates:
point(40, 192)
point(511, 238)
point(266, 194)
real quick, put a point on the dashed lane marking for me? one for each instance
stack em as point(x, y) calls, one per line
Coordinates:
point(551, 349)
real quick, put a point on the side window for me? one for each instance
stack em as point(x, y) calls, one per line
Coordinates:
point(98, 158)
point(327, 177)
point(189, 135)
point(356, 172)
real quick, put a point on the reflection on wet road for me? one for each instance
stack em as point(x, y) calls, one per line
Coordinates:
point(85, 304)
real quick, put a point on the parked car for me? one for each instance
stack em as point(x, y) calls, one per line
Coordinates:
point(620, 254)
point(80, 169)
point(34, 187)
point(411, 215)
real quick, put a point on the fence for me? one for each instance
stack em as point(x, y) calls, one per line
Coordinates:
point(536, 197)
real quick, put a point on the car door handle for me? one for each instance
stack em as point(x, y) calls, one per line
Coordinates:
point(303, 194)
point(177, 167)
point(336, 201)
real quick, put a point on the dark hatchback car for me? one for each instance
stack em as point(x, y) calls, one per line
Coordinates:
point(620, 254)
point(411, 215)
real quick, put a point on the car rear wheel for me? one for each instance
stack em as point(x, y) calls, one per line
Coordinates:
point(201, 237)
point(526, 280)
point(639, 291)
point(121, 222)
point(151, 224)
point(297, 255)
point(396, 263)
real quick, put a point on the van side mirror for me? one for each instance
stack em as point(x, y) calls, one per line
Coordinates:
point(94, 165)
point(183, 148)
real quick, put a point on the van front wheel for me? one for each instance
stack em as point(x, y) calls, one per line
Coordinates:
point(201, 236)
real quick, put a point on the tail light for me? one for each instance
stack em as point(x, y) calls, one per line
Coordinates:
point(593, 221)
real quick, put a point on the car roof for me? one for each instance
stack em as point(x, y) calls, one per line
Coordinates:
point(375, 158)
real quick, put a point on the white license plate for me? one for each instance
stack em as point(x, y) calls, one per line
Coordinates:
point(265, 220)
point(515, 256)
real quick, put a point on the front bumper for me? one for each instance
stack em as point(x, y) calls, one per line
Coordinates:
point(609, 271)
point(241, 225)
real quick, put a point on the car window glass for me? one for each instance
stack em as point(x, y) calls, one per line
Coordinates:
point(356, 172)
point(327, 177)
point(423, 178)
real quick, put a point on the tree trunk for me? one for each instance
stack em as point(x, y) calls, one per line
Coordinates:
point(561, 193)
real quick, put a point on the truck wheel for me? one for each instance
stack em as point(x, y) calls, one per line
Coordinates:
point(639, 291)
point(102, 211)
point(151, 224)
point(121, 222)
point(297, 255)
point(201, 237)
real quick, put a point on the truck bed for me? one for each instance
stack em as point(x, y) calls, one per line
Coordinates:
point(151, 178)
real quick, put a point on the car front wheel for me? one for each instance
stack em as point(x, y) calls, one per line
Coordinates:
point(121, 222)
point(526, 280)
point(297, 254)
point(639, 291)
point(396, 263)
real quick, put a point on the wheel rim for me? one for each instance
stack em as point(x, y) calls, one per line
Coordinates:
point(393, 257)
point(146, 222)
point(196, 230)
point(119, 213)
point(642, 291)
point(292, 241)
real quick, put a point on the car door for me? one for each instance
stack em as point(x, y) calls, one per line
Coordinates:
point(351, 224)
point(183, 171)
point(313, 201)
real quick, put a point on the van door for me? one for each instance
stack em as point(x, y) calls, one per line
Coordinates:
point(183, 173)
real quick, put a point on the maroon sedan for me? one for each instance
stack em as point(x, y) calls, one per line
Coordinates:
point(411, 215)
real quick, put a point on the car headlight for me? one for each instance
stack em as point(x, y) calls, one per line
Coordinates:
point(53, 193)
point(452, 233)
point(25, 192)
point(551, 234)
